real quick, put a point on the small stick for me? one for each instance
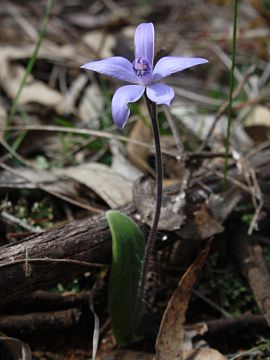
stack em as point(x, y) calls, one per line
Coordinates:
point(22, 223)
point(211, 303)
point(242, 322)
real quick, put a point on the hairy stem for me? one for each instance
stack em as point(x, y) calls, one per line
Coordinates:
point(153, 232)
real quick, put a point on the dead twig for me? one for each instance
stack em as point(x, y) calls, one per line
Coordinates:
point(43, 300)
point(232, 324)
point(47, 321)
point(21, 222)
point(211, 303)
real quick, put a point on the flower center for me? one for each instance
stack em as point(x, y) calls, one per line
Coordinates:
point(141, 67)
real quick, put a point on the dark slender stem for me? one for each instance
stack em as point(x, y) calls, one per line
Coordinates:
point(153, 232)
point(230, 101)
point(159, 177)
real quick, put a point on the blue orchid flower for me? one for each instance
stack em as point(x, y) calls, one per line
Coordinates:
point(142, 74)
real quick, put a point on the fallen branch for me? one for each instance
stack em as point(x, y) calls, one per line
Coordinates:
point(43, 300)
point(239, 323)
point(84, 240)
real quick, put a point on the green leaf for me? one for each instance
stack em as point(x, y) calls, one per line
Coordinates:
point(128, 246)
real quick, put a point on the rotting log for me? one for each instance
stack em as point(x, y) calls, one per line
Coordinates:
point(86, 240)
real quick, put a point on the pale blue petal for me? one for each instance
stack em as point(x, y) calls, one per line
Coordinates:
point(120, 100)
point(171, 64)
point(160, 93)
point(116, 66)
point(144, 42)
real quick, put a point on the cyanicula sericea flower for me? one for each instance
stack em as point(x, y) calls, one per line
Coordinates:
point(141, 73)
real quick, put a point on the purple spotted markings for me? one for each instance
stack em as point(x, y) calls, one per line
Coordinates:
point(142, 75)
point(141, 67)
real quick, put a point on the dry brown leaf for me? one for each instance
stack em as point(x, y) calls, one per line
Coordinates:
point(113, 188)
point(206, 224)
point(48, 51)
point(138, 155)
point(205, 354)
point(10, 181)
point(172, 214)
point(23, 178)
point(170, 340)
point(259, 116)
point(33, 91)
point(258, 124)
point(120, 163)
point(172, 167)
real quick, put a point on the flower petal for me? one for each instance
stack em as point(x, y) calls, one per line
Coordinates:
point(171, 64)
point(116, 66)
point(144, 42)
point(160, 93)
point(123, 96)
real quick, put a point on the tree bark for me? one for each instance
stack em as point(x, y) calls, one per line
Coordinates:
point(86, 240)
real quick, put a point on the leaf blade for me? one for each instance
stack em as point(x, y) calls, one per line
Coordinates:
point(128, 244)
